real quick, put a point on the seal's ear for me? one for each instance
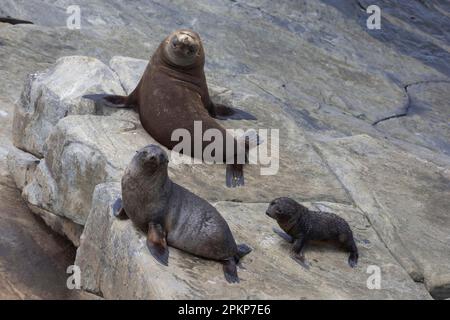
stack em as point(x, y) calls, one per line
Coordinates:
point(157, 244)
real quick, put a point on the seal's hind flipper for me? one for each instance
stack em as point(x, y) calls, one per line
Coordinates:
point(157, 244)
point(251, 139)
point(350, 245)
point(353, 258)
point(283, 235)
point(118, 210)
point(230, 271)
point(234, 175)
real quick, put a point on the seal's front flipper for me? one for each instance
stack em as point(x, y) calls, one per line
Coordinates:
point(243, 250)
point(283, 235)
point(230, 271)
point(223, 111)
point(234, 175)
point(297, 252)
point(13, 21)
point(116, 101)
point(157, 244)
point(118, 210)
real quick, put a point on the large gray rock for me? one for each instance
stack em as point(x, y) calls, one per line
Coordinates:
point(115, 262)
point(81, 152)
point(22, 166)
point(129, 70)
point(56, 93)
point(407, 200)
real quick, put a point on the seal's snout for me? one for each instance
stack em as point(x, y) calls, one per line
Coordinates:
point(152, 156)
point(185, 44)
point(270, 212)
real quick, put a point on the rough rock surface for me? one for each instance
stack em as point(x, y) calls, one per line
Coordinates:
point(115, 261)
point(405, 198)
point(363, 119)
point(52, 95)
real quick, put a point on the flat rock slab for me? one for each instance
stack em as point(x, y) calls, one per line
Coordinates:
point(426, 122)
point(83, 151)
point(115, 261)
point(406, 199)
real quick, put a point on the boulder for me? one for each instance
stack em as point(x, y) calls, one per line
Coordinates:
point(81, 152)
point(56, 93)
point(22, 166)
point(115, 262)
point(129, 71)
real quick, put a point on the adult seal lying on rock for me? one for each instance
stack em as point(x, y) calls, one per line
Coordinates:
point(302, 225)
point(173, 93)
point(171, 215)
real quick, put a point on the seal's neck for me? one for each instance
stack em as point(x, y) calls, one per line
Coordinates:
point(150, 178)
point(289, 225)
point(297, 221)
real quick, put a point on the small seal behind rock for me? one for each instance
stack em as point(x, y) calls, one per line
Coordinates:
point(171, 215)
point(302, 225)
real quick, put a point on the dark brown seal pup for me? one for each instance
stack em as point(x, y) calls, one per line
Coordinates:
point(171, 215)
point(302, 225)
point(173, 93)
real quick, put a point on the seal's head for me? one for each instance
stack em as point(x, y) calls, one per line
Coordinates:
point(285, 209)
point(183, 48)
point(151, 158)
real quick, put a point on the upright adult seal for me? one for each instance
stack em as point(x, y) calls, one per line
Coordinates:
point(171, 215)
point(302, 225)
point(173, 94)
